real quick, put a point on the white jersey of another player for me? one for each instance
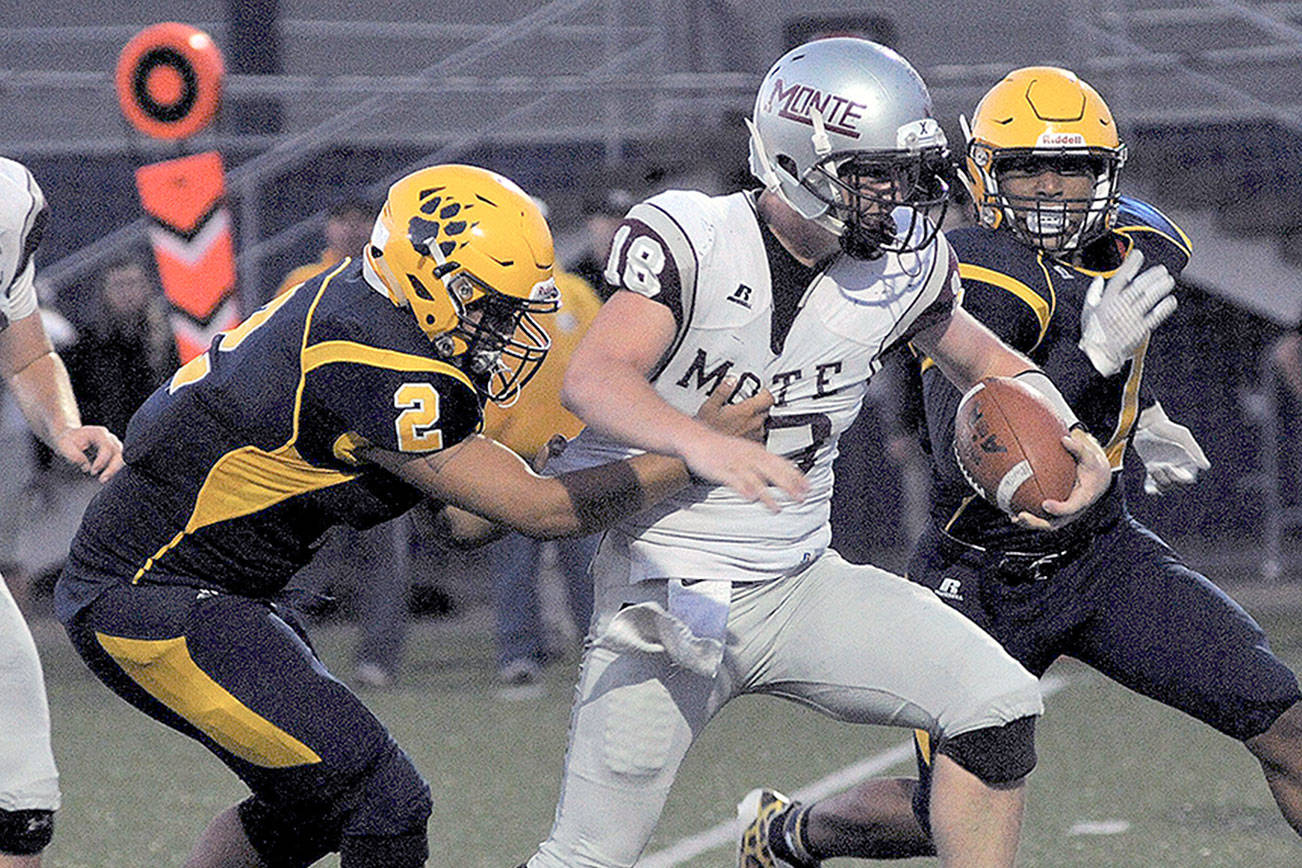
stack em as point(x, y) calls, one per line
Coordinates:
point(746, 309)
point(29, 780)
point(22, 219)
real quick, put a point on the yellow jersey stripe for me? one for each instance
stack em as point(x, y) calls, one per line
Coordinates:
point(962, 506)
point(191, 372)
point(1039, 306)
point(302, 349)
point(165, 669)
point(328, 352)
point(245, 481)
point(1116, 445)
point(1183, 242)
point(922, 740)
point(249, 480)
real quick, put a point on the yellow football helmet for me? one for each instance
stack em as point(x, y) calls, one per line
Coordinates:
point(1044, 112)
point(470, 254)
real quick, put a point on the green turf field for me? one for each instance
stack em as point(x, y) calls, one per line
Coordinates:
point(1121, 782)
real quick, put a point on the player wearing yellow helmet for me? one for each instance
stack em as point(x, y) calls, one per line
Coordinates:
point(472, 299)
point(343, 401)
point(1056, 267)
point(1044, 117)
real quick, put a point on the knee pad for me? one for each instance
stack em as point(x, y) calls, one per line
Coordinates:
point(391, 801)
point(387, 824)
point(25, 833)
point(284, 839)
point(995, 754)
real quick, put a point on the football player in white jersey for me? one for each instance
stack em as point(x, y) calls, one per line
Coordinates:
point(29, 783)
point(799, 288)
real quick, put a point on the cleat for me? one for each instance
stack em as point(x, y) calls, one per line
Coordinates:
point(755, 816)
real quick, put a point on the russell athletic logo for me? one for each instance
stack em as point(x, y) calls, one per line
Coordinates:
point(950, 589)
point(794, 102)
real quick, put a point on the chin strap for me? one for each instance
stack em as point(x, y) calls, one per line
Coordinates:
point(766, 173)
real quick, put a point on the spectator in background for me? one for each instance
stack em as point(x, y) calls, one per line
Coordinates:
point(603, 215)
point(515, 560)
point(376, 562)
point(125, 348)
point(347, 229)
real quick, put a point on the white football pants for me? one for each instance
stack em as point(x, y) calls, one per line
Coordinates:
point(28, 779)
point(856, 643)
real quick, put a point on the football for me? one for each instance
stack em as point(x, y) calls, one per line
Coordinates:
point(1008, 441)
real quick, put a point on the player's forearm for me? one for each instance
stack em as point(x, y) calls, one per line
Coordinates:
point(619, 403)
point(968, 352)
point(487, 479)
point(45, 397)
point(595, 498)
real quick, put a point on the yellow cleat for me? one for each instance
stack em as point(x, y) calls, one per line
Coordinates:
point(755, 816)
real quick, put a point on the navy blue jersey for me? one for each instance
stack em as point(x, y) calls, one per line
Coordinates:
point(1033, 302)
point(237, 466)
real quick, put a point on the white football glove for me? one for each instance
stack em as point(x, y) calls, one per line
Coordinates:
point(1119, 314)
point(1171, 455)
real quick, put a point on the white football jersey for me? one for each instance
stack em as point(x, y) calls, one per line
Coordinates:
point(22, 217)
point(706, 258)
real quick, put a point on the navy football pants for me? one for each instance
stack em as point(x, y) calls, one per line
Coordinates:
point(231, 673)
point(1130, 608)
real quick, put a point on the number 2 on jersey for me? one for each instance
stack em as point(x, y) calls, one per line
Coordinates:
point(419, 403)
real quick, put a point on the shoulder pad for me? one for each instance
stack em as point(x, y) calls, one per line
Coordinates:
point(1153, 232)
point(996, 251)
point(695, 214)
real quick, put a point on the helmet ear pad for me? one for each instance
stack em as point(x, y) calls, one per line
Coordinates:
point(432, 307)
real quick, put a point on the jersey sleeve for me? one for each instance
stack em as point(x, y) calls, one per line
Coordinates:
point(940, 291)
point(412, 411)
point(653, 255)
point(23, 213)
point(1003, 292)
point(1157, 235)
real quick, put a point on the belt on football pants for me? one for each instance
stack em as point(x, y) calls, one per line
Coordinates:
point(1014, 568)
point(1009, 567)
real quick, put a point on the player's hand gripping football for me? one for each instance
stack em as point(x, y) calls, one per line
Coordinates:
point(1120, 313)
point(1171, 455)
point(737, 457)
point(92, 448)
point(1093, 476)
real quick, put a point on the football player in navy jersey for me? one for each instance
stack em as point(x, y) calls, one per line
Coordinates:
point(344, 400)
point(1069, 272)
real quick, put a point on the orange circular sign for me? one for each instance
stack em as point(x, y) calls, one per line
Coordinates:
point(169, 79)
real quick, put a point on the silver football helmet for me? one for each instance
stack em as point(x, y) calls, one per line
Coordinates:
point(843, 132)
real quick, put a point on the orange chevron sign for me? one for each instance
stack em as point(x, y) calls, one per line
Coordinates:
point(193, 245)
